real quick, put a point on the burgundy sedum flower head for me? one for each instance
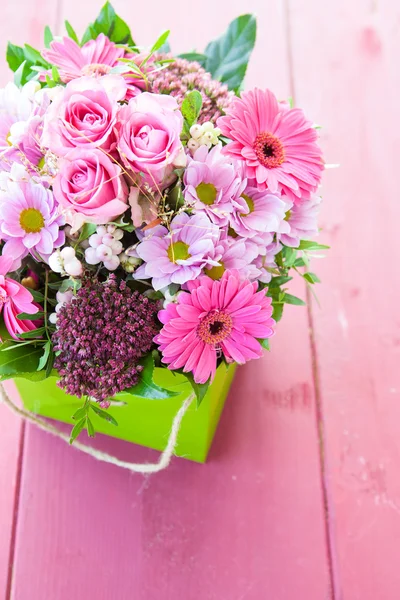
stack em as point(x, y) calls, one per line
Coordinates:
point(101, 335)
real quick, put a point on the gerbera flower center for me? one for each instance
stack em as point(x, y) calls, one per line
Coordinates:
point(215, 327)
point(31, 220)
point(96, 69)
point(178, 251)
point(250, 203)
point(206, 193)
point(288, 215)
point(269, 150)
point(8, 138)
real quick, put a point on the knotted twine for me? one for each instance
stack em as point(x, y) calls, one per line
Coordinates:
point(165, 457)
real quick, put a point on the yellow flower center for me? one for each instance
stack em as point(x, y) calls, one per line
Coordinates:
point(8, 137)
point(41, 163)
point(288, 215)
point(31, 220)
point(206, 193)
point(249, 203)
point(178, 251)
point(215, 272)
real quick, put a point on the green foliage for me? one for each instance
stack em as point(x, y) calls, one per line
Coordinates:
point(194, 57)
point(71, 32)
point(146, 388)
point(109, 23)
point(20, 360)
point(191, 107)
point(26, 61)
point(228, 56)
point(200, 389)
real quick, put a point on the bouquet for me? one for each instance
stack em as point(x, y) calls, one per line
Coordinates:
point(151, 212)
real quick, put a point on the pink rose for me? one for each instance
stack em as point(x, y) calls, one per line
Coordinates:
point(90, 188)
point(83, 114)
point(149, 130)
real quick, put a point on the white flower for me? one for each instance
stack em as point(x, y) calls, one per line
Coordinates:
point(105, 246)
point(65, 262)
point(203, 135)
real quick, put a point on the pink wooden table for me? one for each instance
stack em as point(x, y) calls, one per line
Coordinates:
point(300, 499)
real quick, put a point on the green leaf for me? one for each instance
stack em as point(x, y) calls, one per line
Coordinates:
point(160, 42)
point(55, 74)
point(277, 313)
point(289, 299)
point(15, 56)
point(200, 389)
point(265, 344)
point(109, 23)
point(71, 31)
point(33, 56)
point(90, 428)
point(310, 245)
point(77, 430)
point(103, 414)
point(289, 255)
point(278, 281)
point(227, 57)
point(29, 335)
point(21, 75)
point(44, 358)
point(20, 361)
point(300, 262)
point(29, 317)
point(48, 36)
point(50, 363)
point(87, 230)
point(146, 388)
point(191, 107)
point(311, 277)
point(80, 413)
point(194, 57)
point(37, 296)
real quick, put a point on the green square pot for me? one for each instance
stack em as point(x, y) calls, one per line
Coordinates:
point(143, 421)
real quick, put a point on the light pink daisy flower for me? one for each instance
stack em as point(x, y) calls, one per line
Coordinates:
point(212, 183)
point(258, 211)
point(179, 254)
point(96, 57)
point(29, 220)
point(234, 254)
point(226, 316)
point(302, 220)
point(14, 300)
point(265, 260)
point(279, 145)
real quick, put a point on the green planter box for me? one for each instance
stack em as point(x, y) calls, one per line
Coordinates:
point(142, 421)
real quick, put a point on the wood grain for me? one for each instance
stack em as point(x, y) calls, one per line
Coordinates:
point(247, 525)
point(345, 72)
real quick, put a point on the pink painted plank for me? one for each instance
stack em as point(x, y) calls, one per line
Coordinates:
point(250, 523)
point(345, 58)
point(19, 26)
point(10, 428)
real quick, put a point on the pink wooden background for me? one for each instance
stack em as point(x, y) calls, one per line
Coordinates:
point(300, 499)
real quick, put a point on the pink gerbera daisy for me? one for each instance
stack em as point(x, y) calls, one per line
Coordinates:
point(96, 57)
point(226, 316)
point(278, 144)
point(14, 300)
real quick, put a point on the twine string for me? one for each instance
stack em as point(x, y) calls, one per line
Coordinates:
point(163, 462)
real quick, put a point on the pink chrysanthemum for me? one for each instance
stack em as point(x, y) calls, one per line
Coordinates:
point(29, 220)
point(212, 184)
point(178, 254)
point(234, 254)
point(258, 211)
point(214, 317)
point(96, 57)
point(302, 220)
point(14, 300)
point(278, 144)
